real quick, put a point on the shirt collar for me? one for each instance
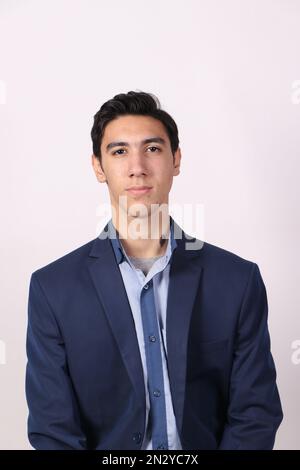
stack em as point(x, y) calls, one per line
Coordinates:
point(119, 251)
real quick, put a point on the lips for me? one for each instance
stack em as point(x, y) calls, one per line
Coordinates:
point(139, 190)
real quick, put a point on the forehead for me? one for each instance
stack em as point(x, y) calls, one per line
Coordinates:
point(133, 128)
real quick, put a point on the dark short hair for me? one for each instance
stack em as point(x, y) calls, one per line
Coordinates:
point(136, 103)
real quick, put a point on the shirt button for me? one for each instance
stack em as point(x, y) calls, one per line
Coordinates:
point(156, 393)
point(137, 437)
point(161, 447)
point(146, 286)
point(152, 339)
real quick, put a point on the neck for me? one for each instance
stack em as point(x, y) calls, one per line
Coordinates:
point(140, 239)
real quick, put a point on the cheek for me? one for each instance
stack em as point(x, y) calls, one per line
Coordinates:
point(163, 171)
point(115, 178)
point(165, 176)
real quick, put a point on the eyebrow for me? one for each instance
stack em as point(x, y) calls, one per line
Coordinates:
point(158, 140)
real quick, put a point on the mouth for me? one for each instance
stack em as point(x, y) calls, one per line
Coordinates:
point(136, 190)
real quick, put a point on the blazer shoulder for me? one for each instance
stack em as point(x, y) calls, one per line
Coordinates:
point(217, 256)
point(227, 269)
point(65, 264)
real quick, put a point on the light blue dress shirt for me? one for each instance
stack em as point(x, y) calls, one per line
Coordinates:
point(157, 281)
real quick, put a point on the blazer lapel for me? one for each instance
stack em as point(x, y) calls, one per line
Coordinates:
point(108, 282)
point(185, 272)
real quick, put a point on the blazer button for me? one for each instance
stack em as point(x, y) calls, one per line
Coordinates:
point(137, 437)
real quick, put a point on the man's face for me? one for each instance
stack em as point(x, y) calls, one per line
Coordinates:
point(128, 161)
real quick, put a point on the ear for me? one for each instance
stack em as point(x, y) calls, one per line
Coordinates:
point(177, 160)
point(98, 169)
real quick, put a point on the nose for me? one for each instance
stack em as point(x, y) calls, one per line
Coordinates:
point(137, 164)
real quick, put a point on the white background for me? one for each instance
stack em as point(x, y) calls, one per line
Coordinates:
point(225, 71)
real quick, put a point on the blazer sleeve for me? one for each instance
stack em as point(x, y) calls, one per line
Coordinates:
point(53, 421)
point(254, 412)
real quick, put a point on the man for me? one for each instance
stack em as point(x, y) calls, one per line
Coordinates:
point(146, 338)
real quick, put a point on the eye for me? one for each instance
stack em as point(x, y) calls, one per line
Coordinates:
point(119, 150)
point(157, 148)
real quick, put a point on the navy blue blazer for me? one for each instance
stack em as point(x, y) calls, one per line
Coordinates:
point(84, 376)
